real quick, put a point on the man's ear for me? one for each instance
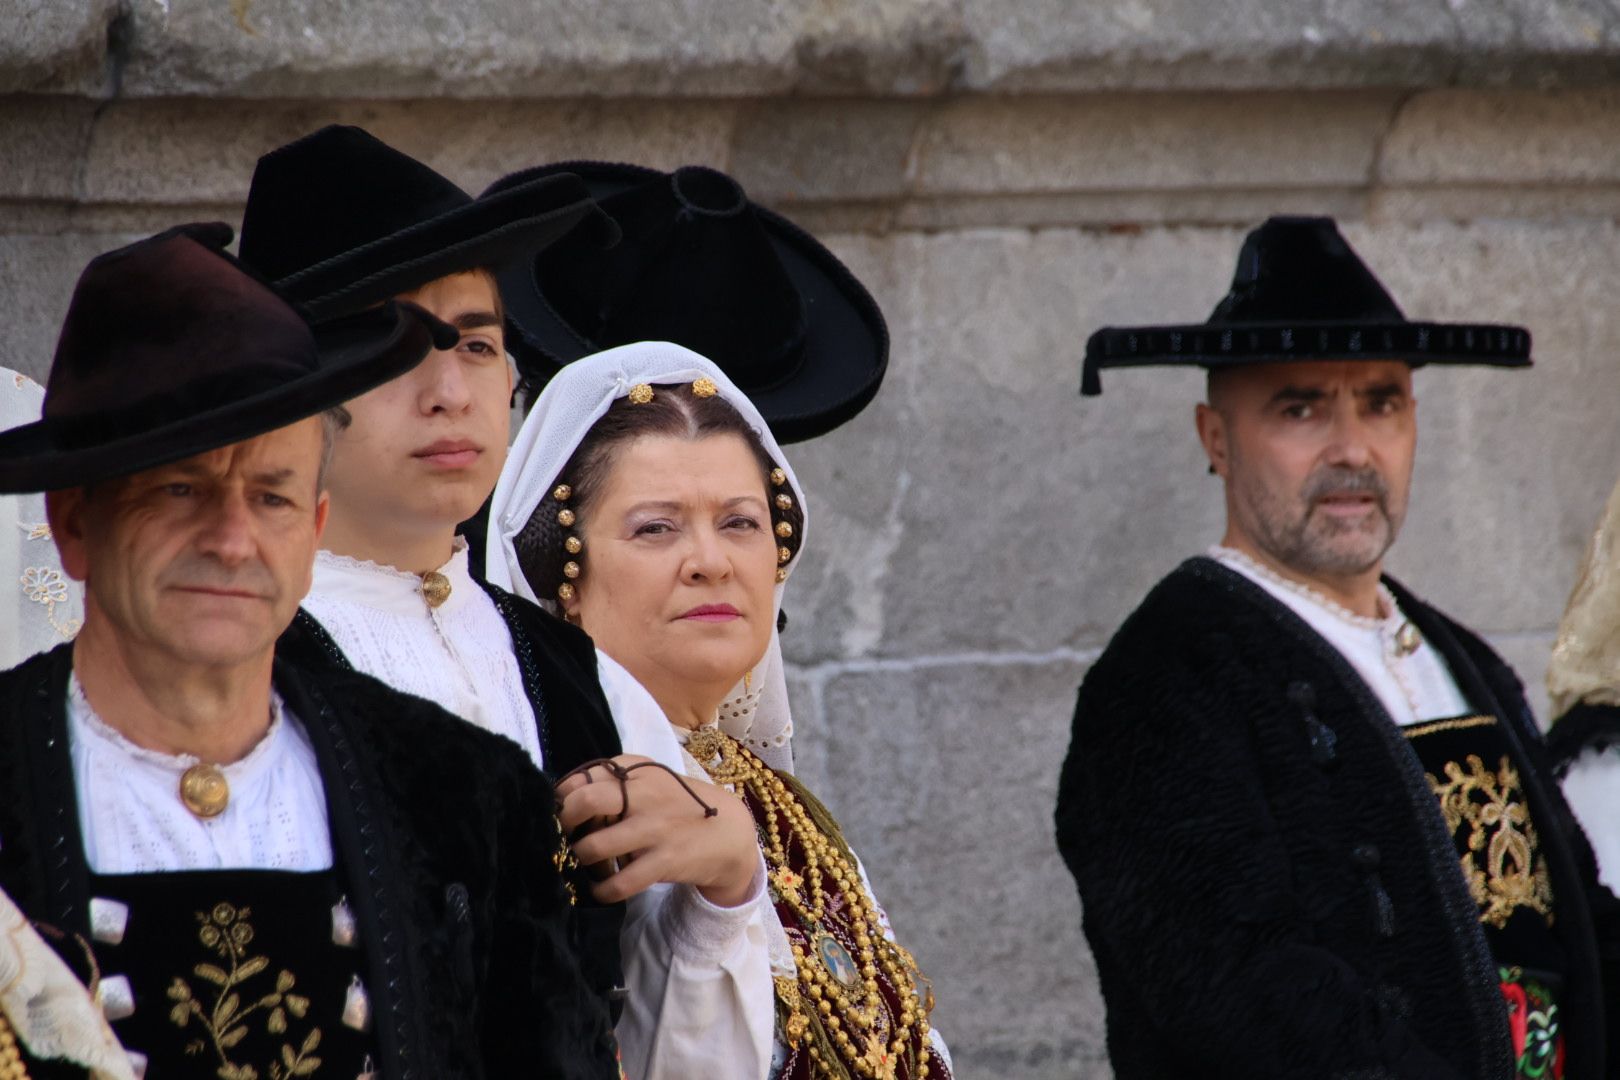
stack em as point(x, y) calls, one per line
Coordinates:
point(323, 505)
point(65, 510)
point(1212, 434)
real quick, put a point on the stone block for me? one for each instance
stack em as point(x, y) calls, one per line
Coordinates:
point(1505, 137)
point(186, 151)
point(42, 146)
point(794, 151)
point(944, 778)
point(37, 274)
point(1051, 45)
point(1007, 145)
point(55, 45)
point(736, 48)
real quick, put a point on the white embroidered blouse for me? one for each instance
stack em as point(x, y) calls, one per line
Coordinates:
point(133, 821)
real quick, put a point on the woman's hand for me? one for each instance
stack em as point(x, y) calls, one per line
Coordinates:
point(664, 833)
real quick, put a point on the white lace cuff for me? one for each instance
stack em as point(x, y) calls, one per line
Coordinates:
point(702, 932)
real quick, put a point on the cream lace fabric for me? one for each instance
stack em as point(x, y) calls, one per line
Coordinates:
point(565, 411)
point(48, 1007)
point(48, 606)
point(1585, 664)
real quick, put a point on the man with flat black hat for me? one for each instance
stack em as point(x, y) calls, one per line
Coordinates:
point(395, 596)
point(1307, 812)
point(273, 879)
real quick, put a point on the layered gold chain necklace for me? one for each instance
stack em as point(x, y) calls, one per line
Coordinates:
point(835, 1011)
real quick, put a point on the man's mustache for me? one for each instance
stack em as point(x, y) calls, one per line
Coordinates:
point(1338, 481)
point(205, 573)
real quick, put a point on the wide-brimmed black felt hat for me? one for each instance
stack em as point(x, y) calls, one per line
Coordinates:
point(339, 220)
point(170, 348)
point(701, 265)
point(1301, 293)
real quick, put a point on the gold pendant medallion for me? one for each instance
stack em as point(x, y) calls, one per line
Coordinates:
point(204, 790)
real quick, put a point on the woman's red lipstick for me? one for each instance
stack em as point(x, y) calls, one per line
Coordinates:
point(713, 613)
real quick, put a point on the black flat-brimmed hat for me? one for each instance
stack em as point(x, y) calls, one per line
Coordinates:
point(340, 220)
point(702, 266)
point(1301, 293)
point(170, 348)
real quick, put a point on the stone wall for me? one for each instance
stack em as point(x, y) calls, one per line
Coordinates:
point(1006, 177)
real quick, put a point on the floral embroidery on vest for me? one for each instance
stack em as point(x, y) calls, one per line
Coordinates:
point(1502, 865)
point(226, 932)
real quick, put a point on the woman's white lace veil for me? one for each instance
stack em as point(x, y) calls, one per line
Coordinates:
point(565, 411)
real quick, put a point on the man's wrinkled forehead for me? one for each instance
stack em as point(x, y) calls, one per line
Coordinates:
point(277, 458)
point(1259, 384)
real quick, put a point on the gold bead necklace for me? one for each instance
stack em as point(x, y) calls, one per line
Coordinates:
point(11, 1062)
point(837, 999)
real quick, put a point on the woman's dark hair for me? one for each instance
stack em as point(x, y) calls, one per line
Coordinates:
point(674, 410)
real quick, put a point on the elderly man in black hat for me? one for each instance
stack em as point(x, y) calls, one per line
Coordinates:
point(1307, 812)
point(273, 877)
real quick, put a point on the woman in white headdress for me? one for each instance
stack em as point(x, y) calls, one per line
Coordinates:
point(645, 499)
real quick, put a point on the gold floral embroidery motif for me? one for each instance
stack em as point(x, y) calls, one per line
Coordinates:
point(1502, 867)
point(46, 585)
point(227, 933)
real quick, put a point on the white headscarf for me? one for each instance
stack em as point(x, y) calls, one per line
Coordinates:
point(566, 410)
point(47, 607)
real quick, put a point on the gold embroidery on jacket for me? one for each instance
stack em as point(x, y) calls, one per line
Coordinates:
point(226, 932)
point(1503, 867)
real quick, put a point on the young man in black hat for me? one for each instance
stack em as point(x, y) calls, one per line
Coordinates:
point(342, 221)
point(1308, 813)
point(274, 879)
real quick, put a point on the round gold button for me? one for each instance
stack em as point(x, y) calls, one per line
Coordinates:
point(204, 790)
point(435, 588)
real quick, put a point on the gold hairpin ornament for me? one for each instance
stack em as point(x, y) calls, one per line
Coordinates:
point(704, 387)
point(784, 529)
point(565, 592)
point(565, 518)
point(781, 574)
point(573, 545)
point(640, 394)
point(562, 493)
point(783, 554)
point(778, 477)
point(784, 502)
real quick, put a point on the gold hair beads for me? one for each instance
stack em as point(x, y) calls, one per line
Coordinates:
point(778, 477)
point(572, 544)
point(704, 387)
point(640, 394)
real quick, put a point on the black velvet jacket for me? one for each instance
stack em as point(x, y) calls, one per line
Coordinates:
point(558, 662)
point(471, 942)
point(1267, 883)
